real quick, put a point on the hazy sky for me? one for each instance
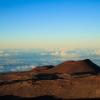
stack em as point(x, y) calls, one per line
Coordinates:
point(49, 23)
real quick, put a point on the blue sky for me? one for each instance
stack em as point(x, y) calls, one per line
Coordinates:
point(49, 23)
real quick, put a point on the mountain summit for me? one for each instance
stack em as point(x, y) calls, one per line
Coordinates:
point(71, 67)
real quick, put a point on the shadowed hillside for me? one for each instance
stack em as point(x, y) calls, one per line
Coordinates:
point(10, 97)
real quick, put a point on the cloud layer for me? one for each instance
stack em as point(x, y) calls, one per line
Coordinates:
point(21, 59)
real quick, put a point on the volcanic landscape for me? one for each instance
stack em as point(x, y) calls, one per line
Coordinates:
point(70, 80)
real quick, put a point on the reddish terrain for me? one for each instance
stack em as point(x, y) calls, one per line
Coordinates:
point(71, 67)
point(69, 80)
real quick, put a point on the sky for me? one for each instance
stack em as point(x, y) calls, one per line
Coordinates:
point(49, 24)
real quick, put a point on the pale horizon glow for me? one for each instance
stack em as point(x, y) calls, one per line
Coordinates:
point(66, 24)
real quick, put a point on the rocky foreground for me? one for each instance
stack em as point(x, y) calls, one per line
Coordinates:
point(71, 80)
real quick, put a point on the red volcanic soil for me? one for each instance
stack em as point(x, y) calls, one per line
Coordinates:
point(71, 67)
point(51, 82)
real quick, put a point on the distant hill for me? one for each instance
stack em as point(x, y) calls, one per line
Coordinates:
point(76, 67)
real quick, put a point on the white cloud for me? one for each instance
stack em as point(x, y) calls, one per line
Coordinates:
point(64, 53)
point(72, 55)
point(97, 52)
point(1, 51)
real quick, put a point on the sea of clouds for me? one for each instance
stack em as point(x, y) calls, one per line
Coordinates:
point(25, 59)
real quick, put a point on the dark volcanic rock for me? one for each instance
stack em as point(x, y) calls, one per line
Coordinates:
point(46, 76)
point(10, 97)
